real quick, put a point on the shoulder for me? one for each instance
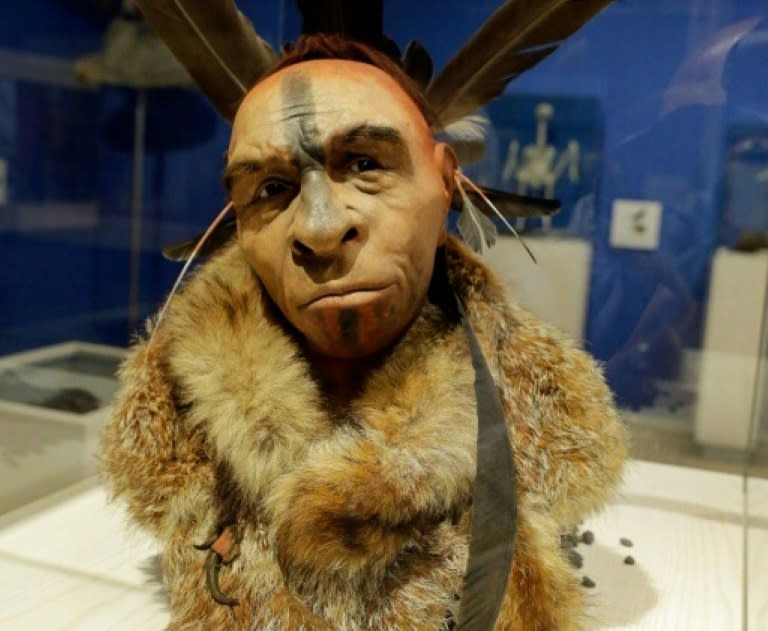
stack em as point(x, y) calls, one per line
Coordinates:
point(569, 443)
point(548, 365)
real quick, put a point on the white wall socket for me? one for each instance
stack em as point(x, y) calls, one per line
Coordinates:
point(635, 224)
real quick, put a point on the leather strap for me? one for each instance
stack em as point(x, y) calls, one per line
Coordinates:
point(494, 502)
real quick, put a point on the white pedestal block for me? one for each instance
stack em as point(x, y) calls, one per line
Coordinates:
point(44, 449)
point(556, 288)
point(728, 392)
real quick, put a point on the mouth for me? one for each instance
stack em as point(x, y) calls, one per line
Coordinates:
point(346, 297)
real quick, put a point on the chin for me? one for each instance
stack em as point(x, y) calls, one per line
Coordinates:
point(367, 341)
point(345, 350)
point(354, 331)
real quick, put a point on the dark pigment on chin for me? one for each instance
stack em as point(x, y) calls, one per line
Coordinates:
point(349, 325)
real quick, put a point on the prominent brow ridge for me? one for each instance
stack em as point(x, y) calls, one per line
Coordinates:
point(380, 133)
point(241, 167)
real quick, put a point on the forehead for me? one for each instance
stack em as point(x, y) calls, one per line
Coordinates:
point(327, 96)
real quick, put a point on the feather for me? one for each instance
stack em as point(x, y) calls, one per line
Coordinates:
point(219, 237)
point(517, 36)
point(510, 204)
point(467, 137)
point(460, 177)
point(198, 246)
point(471, 127)
point(478, 232)
point(417, 63)
point(216, 43)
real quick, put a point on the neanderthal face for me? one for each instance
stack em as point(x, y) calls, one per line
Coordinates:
point(341, 196)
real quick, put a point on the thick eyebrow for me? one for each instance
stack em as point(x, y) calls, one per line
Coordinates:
point(376, 133)
point(240, 167)
point(379, 133)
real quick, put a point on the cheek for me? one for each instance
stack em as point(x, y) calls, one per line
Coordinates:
point(264, 251)
point(411, 221)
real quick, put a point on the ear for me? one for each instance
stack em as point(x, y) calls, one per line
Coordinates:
point(447, 163)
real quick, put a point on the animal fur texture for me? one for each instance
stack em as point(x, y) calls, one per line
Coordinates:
point(355, 518)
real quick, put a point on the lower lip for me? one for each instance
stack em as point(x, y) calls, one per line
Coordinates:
point(351, 299)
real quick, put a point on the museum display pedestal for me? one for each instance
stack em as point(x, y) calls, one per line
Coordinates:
point(731, 392)
point(53, 404)
point(557, 287)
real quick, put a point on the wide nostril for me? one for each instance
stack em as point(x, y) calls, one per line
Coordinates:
point(300, 249)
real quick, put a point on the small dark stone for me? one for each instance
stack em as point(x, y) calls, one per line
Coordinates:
point(575, 559)
point(588, 537)
point(629, 560)
point(568, 541)
point(625, 542)
point(587, 582)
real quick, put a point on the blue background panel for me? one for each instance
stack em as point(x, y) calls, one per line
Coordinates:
point(662, 117)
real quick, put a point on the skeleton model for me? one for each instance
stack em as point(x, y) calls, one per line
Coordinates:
point(540, 167)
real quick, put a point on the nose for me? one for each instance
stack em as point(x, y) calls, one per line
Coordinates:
point(322, 224)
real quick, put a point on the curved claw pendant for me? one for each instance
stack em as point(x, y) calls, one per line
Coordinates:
point(206, 545)
point(212, 566)
point(222, 550)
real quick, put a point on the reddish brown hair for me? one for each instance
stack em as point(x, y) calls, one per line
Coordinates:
point(333, 46)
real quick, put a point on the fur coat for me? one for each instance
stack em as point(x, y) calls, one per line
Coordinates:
point(354, 518)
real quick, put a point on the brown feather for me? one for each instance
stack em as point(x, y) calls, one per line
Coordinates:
point(220, 236)
point(516, 37)
point(417, 63)
point(216, 43)
point(510, 204)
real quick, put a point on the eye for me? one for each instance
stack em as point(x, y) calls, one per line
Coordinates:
point(361, 164)
point(273, 188)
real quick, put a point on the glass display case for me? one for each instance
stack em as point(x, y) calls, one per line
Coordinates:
point(650, 125)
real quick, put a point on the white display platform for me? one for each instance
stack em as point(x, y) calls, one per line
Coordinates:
point(68, 562)
point(757, 554)
point(45, 449)
point(686, 526)
point(731, 352)
point(557, 287)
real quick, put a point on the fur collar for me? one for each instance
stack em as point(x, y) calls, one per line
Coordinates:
point(354, 519)
point(340, 491)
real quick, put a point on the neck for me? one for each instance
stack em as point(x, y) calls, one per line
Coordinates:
point(341, 379)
